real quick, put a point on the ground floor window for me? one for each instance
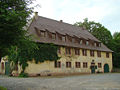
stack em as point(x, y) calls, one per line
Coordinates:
point(68, 64)
point(85, 65)
point(99, 65)
point(57, 64)
point(77, 64)
point(2, 65)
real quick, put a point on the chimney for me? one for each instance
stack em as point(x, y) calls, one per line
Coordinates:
point(36, 15)
point(61, 21)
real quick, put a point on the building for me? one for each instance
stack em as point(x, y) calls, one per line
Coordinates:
point(79, 50)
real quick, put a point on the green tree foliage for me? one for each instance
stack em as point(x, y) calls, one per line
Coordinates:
point(13, 17)
point(27, 52)
point(14, 39)
point(115, 46)
point(96, 29)
point(46, 52)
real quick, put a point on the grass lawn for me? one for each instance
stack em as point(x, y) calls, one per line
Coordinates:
point(3, 88)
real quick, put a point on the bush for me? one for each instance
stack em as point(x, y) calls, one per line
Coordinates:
point(23, 75)
point(2, 88)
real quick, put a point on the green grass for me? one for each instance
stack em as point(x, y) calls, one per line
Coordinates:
point(3, 88)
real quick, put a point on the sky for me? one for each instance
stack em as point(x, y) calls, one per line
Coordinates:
point(106, 12)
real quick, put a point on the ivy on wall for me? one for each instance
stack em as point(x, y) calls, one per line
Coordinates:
point(40, 53)
point(46, 52)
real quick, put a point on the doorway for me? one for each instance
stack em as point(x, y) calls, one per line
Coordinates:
point(106, 68)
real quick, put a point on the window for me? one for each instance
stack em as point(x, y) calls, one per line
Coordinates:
point(53, 36)
point(85, 65)
point(69, 38)
point(95, 44)
point(77, 51)
point(57, 64)
point(68, 64)
point(37, 31)
point(99, 53)
point(59, 51)
point(84, 52)
point(92, 53)
point(42, 33)
point(77, 64)
point(2, 65)
point(107, 54)
point(63, 38)
point(81, 41)
point(99, 65)
point(68, 50)
point(99, 44)
point(87, 43)
point(76, 40)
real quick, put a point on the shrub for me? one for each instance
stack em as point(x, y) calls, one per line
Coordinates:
point(2, 88)
point(23, 75)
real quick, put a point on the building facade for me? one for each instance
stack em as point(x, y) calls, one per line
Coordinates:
point(79, 50)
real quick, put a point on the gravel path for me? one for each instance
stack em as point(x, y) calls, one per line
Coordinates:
point(109, 81)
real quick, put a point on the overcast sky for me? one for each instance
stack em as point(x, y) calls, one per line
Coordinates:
point(107, 12)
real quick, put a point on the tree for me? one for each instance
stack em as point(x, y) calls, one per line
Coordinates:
point(115, 46)
point(15, 41)
point(96, 29)
point(13, 17)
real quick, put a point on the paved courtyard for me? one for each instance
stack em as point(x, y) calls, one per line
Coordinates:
point(109, 81)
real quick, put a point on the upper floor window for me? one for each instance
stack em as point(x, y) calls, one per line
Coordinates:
point(53, 36)
point(77, 51)
point(84, 52)
point(99, 65)
point(107, 54)
point(99, 53)
point(69, 38)
point(63, 38)
point(87, 43)
point(57, 64)
point(42, 33)
point(81, 41)
point(59, 51)
point(91, 53)
point(68, 64)
point(95, 44)
point(99, 45)
point(68, 50)
point(77, 64)
point(85, 65)
point(76, 40)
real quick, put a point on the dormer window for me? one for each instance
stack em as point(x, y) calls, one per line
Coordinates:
point(53, 36)
point(63, 38)
point(95, 44)
point(87, 43)
point(69, 38)
point(99, 44)
point(81, 41)
point(42, 33)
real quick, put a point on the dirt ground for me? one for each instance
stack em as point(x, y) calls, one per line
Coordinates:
point(109, 81)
